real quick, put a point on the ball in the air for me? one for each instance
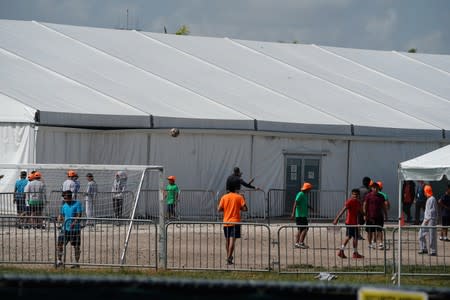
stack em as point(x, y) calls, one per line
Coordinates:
point(174, 132)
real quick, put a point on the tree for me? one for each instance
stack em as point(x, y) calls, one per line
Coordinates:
point(412, 50)
point(183, 30)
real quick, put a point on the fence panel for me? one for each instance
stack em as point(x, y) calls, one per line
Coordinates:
point(325, 204)
point(415, 264)
point(201, 246)
point(7, 205)
point(324, 243)
point(102, 243)
point(22, 241)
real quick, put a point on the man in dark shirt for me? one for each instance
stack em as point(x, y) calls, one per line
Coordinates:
point(234, 181)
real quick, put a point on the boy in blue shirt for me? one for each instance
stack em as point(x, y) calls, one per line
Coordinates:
point(70, 211)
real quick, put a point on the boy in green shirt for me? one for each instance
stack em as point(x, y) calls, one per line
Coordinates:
point(300, 211)
point(171, 195)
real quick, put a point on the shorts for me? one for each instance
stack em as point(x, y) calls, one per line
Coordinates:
point(233, 231)
point(20, 205)
point(445, 220)
point(303, 222)
point(37, 207)
point(375, 222)
point(352, 232)
point(74, 237)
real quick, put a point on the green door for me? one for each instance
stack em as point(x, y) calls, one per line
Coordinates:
point(299, 170)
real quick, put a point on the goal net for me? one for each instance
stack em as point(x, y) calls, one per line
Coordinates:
point(105, 191)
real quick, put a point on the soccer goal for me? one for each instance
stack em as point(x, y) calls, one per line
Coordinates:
point(113, 190)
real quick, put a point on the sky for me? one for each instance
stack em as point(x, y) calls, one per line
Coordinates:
point(367, 24)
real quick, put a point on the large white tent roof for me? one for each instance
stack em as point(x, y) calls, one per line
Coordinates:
point(94, 77)
point(431, 166)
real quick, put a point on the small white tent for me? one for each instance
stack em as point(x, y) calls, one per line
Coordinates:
point(430, 166)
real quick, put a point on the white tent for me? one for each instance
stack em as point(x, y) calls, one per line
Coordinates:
point(432, 166)
point(102, 96)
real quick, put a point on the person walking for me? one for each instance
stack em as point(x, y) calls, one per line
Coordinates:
point(171, 195)
point(353, 208)
point(300, 211)
point(70, 211)
point(231, 204)
point(429, 220)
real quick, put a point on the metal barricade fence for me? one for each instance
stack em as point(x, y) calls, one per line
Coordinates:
point(103, 242)
point(193, 204)
point(325, 204)
point(201, 246)
point(7, 205)
point(415, 264)
point(256, 204)
point(197, 205)
point(23, 242)
point(323, 243)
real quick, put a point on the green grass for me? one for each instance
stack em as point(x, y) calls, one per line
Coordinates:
point(357, 279)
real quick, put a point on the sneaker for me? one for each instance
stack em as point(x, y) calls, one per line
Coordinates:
point(372, 246)
point(341, 254)
point(75, 266)
point(441, 238)
point(357, 255)
point(423, 251)
point(433, 254)
point(445, 239)
point(59, 264)
point(303, 246)
point(296, 245)
point(381, 247)
point(230, 260)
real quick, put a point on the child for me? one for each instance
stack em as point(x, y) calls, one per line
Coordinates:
point(353, 208)
point(300, 211)
point(171, 195)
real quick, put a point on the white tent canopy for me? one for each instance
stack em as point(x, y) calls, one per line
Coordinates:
point(432, 166)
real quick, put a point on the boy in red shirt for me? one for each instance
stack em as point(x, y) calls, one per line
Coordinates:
point(353, 208)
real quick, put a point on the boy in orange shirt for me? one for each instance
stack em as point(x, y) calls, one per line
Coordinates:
point(231, 204)
point(353, 208)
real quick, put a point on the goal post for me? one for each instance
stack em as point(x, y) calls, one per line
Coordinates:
point(117, 191)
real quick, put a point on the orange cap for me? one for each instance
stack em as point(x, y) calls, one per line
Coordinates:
point(428, 191)
point(30, 176)
point(172, 178)
point(37, 175)
point(71, 173)
point(380, 185)
point(306, 186)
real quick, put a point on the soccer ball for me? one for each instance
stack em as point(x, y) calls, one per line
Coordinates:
point(174, 132)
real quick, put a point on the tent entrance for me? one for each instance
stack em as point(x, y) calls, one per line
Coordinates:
point(300, 169)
